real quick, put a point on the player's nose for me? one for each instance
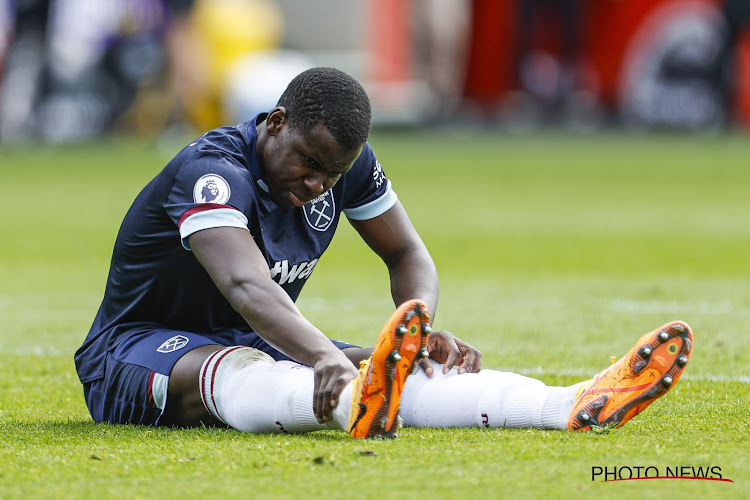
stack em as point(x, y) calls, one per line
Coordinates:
point(314, 184)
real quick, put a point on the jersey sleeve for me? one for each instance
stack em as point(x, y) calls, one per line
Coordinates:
point(209, 191)
point(368, 191)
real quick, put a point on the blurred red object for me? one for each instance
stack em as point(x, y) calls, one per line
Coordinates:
point(742, 89)
point(604, 31)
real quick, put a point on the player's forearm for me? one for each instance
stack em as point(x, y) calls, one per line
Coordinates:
point(273, 316)
point(392, 236)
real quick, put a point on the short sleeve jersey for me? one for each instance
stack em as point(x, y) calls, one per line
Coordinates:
point(216, 181)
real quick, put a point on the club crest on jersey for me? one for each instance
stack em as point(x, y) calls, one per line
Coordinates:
point(211, 188)
point(173, 344)
point(320, 211)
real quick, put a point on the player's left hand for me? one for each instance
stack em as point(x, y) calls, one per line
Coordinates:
point(451, 351)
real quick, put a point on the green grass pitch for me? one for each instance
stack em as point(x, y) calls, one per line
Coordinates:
point(555, 252)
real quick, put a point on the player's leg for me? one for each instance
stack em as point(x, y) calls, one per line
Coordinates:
point(136, 381)
point(245, 389)
point(490, 398)
point(154, 377)
point(357, 354)
point(486, 399)
point(248, 390)
point(184, 407)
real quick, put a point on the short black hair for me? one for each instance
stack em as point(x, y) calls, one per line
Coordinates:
point(328, 97)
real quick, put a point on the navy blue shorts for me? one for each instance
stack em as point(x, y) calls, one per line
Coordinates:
point(136, 373)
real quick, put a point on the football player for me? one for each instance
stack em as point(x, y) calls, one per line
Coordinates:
point(198, 324)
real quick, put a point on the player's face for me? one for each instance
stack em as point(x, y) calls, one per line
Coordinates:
point(299, 168)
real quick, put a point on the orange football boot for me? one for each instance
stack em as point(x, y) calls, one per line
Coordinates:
point(376, 396)
point(643, 375)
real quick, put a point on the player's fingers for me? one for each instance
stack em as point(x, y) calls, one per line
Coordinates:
point(338, 387)
point(426, 365)
point(436, 346)
point(453, 356)
point(326, 409)
point(322, 398)
point(471, 361)
point(464, 367)
point(476, 365)
point(318, 400)
point(332, 394)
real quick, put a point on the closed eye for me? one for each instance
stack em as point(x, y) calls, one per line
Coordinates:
point(315, 165)
point(310, 161)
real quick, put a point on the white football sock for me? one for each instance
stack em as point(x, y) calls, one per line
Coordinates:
point(247, 390)
point(485, 399)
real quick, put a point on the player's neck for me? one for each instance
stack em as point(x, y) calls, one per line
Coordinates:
point(260, 145)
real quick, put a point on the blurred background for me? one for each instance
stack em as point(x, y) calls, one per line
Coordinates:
point(73, 70)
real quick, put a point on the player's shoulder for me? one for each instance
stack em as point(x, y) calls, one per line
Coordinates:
point(227, 141)
point(224, 148)
point(213, 168)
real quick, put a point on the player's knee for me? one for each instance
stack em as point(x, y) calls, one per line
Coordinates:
point(184, 406)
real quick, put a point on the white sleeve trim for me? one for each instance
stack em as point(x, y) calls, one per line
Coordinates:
point(375, 207)
point(217, 217)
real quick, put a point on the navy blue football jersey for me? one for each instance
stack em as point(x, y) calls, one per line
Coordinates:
point(216, 181)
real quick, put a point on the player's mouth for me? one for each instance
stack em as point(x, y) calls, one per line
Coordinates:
point(296, 200)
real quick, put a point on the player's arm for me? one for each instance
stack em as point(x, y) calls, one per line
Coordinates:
point(411, 269)
point(413, 275)
point(237, 267)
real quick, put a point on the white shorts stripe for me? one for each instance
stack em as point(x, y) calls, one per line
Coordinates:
point(159, 390)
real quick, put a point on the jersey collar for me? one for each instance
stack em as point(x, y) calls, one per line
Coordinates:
point(255, 170)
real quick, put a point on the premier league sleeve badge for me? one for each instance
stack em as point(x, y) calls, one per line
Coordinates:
point(211, 188)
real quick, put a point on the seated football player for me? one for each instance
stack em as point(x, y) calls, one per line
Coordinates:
point(198, 324)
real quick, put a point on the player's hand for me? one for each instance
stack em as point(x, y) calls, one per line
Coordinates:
point(451, 351)
point(332, 374)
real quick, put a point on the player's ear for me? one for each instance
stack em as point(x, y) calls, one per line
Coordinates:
point(276, 120)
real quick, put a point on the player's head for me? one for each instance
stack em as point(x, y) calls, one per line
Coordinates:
point(331, 98)
point(313, 136)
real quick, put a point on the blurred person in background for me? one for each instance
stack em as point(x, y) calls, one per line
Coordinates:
point(5, 29)
point(735, 73)
point(74, 66)
point(549, 80)
point(75, 69)
point(441, 31)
